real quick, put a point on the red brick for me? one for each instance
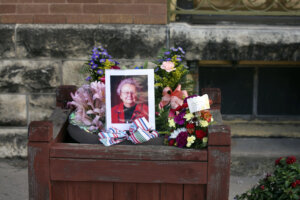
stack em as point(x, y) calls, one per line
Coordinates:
point(82, 1)
point(17, 19)
point(116, 9)
point(8, 1)
point(144, 19)
point(158, 9)
point(49, 1)
point(49, 19)
point(66, 8)
point(115, 1)
point(83, 19)
point(116, 19)
point(7, 9)
point(24, 1)
point(32, 9)
point(151, 1)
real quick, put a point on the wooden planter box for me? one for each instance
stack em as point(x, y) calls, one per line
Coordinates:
point(61, 170)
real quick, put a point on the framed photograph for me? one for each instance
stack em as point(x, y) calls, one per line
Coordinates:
point(129, 95)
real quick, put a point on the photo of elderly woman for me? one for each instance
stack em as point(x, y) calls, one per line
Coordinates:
point(129, 99)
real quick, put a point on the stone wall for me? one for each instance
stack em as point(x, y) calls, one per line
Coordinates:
point(35, 59)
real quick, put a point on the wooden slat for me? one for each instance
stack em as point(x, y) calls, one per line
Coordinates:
point(126, 152)
point(124, 191)
point(148, 191)
point(218, 172)
point(130, 171)
point(63, 190)
point(194, 192)
point(59, 190)
point(219, 135)
point(171, 192)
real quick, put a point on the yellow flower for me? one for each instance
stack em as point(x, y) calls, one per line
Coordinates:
point(190, 141)
point(188, 116)
point(171, 122)
point(203, 123)
point(204, 140)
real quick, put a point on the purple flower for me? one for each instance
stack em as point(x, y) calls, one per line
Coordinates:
point(156, 69)
point(102, 60)
point(179, 59)
point(94, 66)
point(168, 59)
point(181, 50)
point(160, 60)
point(88, 78)
point(179, 118)
point(167, 53)
point(100, 72)
point(181, 139)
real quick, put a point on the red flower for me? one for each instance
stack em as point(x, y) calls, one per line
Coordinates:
point(291, 160)
point(171, 142)
point(262, 187)
point(294, 184)
point(102, 79)
point(185, 105)
point(190, 126)
point(115, 67)
point(277, 162)
point(200, 134)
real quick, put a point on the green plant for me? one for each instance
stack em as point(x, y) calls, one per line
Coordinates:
point(284, 184)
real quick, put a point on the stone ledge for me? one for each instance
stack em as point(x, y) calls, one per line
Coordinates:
point(236, 42)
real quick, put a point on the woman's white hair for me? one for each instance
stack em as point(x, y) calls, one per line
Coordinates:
point(130, 81)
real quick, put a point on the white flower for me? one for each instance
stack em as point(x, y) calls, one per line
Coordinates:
point(203, 123)
point(175, 133)
point(204, 140)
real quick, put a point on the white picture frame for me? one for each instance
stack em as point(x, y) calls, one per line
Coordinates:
point(145, 99)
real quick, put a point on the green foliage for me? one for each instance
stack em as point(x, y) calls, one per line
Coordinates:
point(284, 184)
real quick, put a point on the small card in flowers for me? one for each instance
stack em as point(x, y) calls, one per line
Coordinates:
point(198, 103)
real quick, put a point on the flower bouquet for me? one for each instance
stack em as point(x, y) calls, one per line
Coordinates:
point(189, 123)
point(170, 76)
point(98, 62)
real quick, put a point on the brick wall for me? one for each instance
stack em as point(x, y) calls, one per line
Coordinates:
point(83, 11)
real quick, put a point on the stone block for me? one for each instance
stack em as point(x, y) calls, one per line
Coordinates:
point(266, 43)
point(76, 41)
point(57, 41)
point(13, 110)
point(41, 106)
point(132, 41)
point(71, 73)
point(27, 76)
point(7, 47)
point(13, 142)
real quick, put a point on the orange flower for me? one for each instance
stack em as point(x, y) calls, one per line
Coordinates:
point(206, 115)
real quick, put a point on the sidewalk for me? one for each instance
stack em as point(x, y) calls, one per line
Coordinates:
point(252, 158)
